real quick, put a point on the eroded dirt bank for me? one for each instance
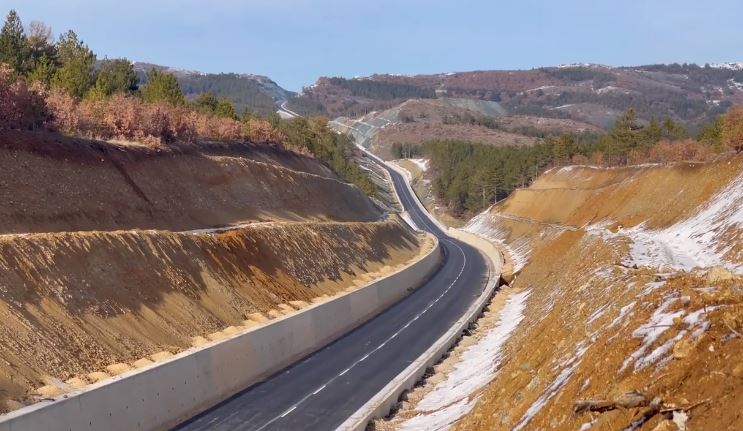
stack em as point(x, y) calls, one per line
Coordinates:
point(52, 183)
point(109, 258)
point(76, 303)
point(631, 294)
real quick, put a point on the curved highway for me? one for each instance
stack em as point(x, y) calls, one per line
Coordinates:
point(325, 388)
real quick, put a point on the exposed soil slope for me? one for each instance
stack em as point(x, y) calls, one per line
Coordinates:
point(51, 183)
point(114, 255)
point(417, 121)
point(630, 280)
point(75, 303)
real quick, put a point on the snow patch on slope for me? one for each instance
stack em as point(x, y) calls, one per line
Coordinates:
point(660, 322)
point(478, 365)
point(728, 65)
point(557, 384)
point(691, 243)
point(486, 225)
point(421, 163)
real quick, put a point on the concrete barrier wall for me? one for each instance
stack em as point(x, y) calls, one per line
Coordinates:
point(486, 247)
point(382, 403)
point(170, 392)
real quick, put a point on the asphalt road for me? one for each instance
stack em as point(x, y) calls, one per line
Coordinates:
point(327, 387)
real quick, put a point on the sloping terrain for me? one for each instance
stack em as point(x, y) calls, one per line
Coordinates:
point(52, 183)
point(115, 255)
point(417, 121)
point(626, 313)
point(419, 133)
point(588, 93)
point(75, 305)
point(246, 91)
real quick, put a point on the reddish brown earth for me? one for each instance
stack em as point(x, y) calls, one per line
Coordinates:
point(602, 324)
point(581, 338)
point(419, 133)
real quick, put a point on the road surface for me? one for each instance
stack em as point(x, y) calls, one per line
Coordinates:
point(324, 389)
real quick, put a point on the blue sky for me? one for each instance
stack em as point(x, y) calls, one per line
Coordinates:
point(295, 41)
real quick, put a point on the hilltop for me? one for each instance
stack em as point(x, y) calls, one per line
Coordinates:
point(246, 91)
point(594, 94)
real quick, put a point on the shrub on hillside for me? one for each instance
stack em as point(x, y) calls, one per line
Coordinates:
point(732, 128)
point(63, 110)
point(22, 107)
point(687, 150)
point(129, 118)
point(262, 132)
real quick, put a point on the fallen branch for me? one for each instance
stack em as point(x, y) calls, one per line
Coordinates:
point(627, 400)
point(634, 399)
point(737, 334)
point(671, 408)
point(653, 409)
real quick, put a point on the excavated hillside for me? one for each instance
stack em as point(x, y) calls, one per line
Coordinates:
point(626, 312)
point(52, 184)
point(113, 256)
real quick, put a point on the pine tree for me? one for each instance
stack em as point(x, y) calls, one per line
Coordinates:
point(672, 130)
point(13, 47)
point(206, 102)
point(621, 138)
point(712, 135)
point(42, 52)
point(650, 134)
point(75, 74)
point(116, 76)
point(43, 71)
point(162, 87)
point(225, 109)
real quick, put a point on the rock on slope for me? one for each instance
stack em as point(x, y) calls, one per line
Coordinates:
point(630, 280)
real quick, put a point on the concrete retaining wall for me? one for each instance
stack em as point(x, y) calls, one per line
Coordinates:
point(486, 247)
point(175, 390)
point(382, 403)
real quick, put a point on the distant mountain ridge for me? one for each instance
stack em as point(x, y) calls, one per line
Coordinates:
point(246, 91)
point(590, 93)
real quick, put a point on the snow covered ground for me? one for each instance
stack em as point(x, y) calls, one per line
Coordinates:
point(421, 163)
point(486, 225)
point(691, 243)
point(456, 395)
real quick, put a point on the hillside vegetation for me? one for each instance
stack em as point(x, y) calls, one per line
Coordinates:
point(57, 86)
point(246, 92)
point(686, 93)
point(468, 177)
